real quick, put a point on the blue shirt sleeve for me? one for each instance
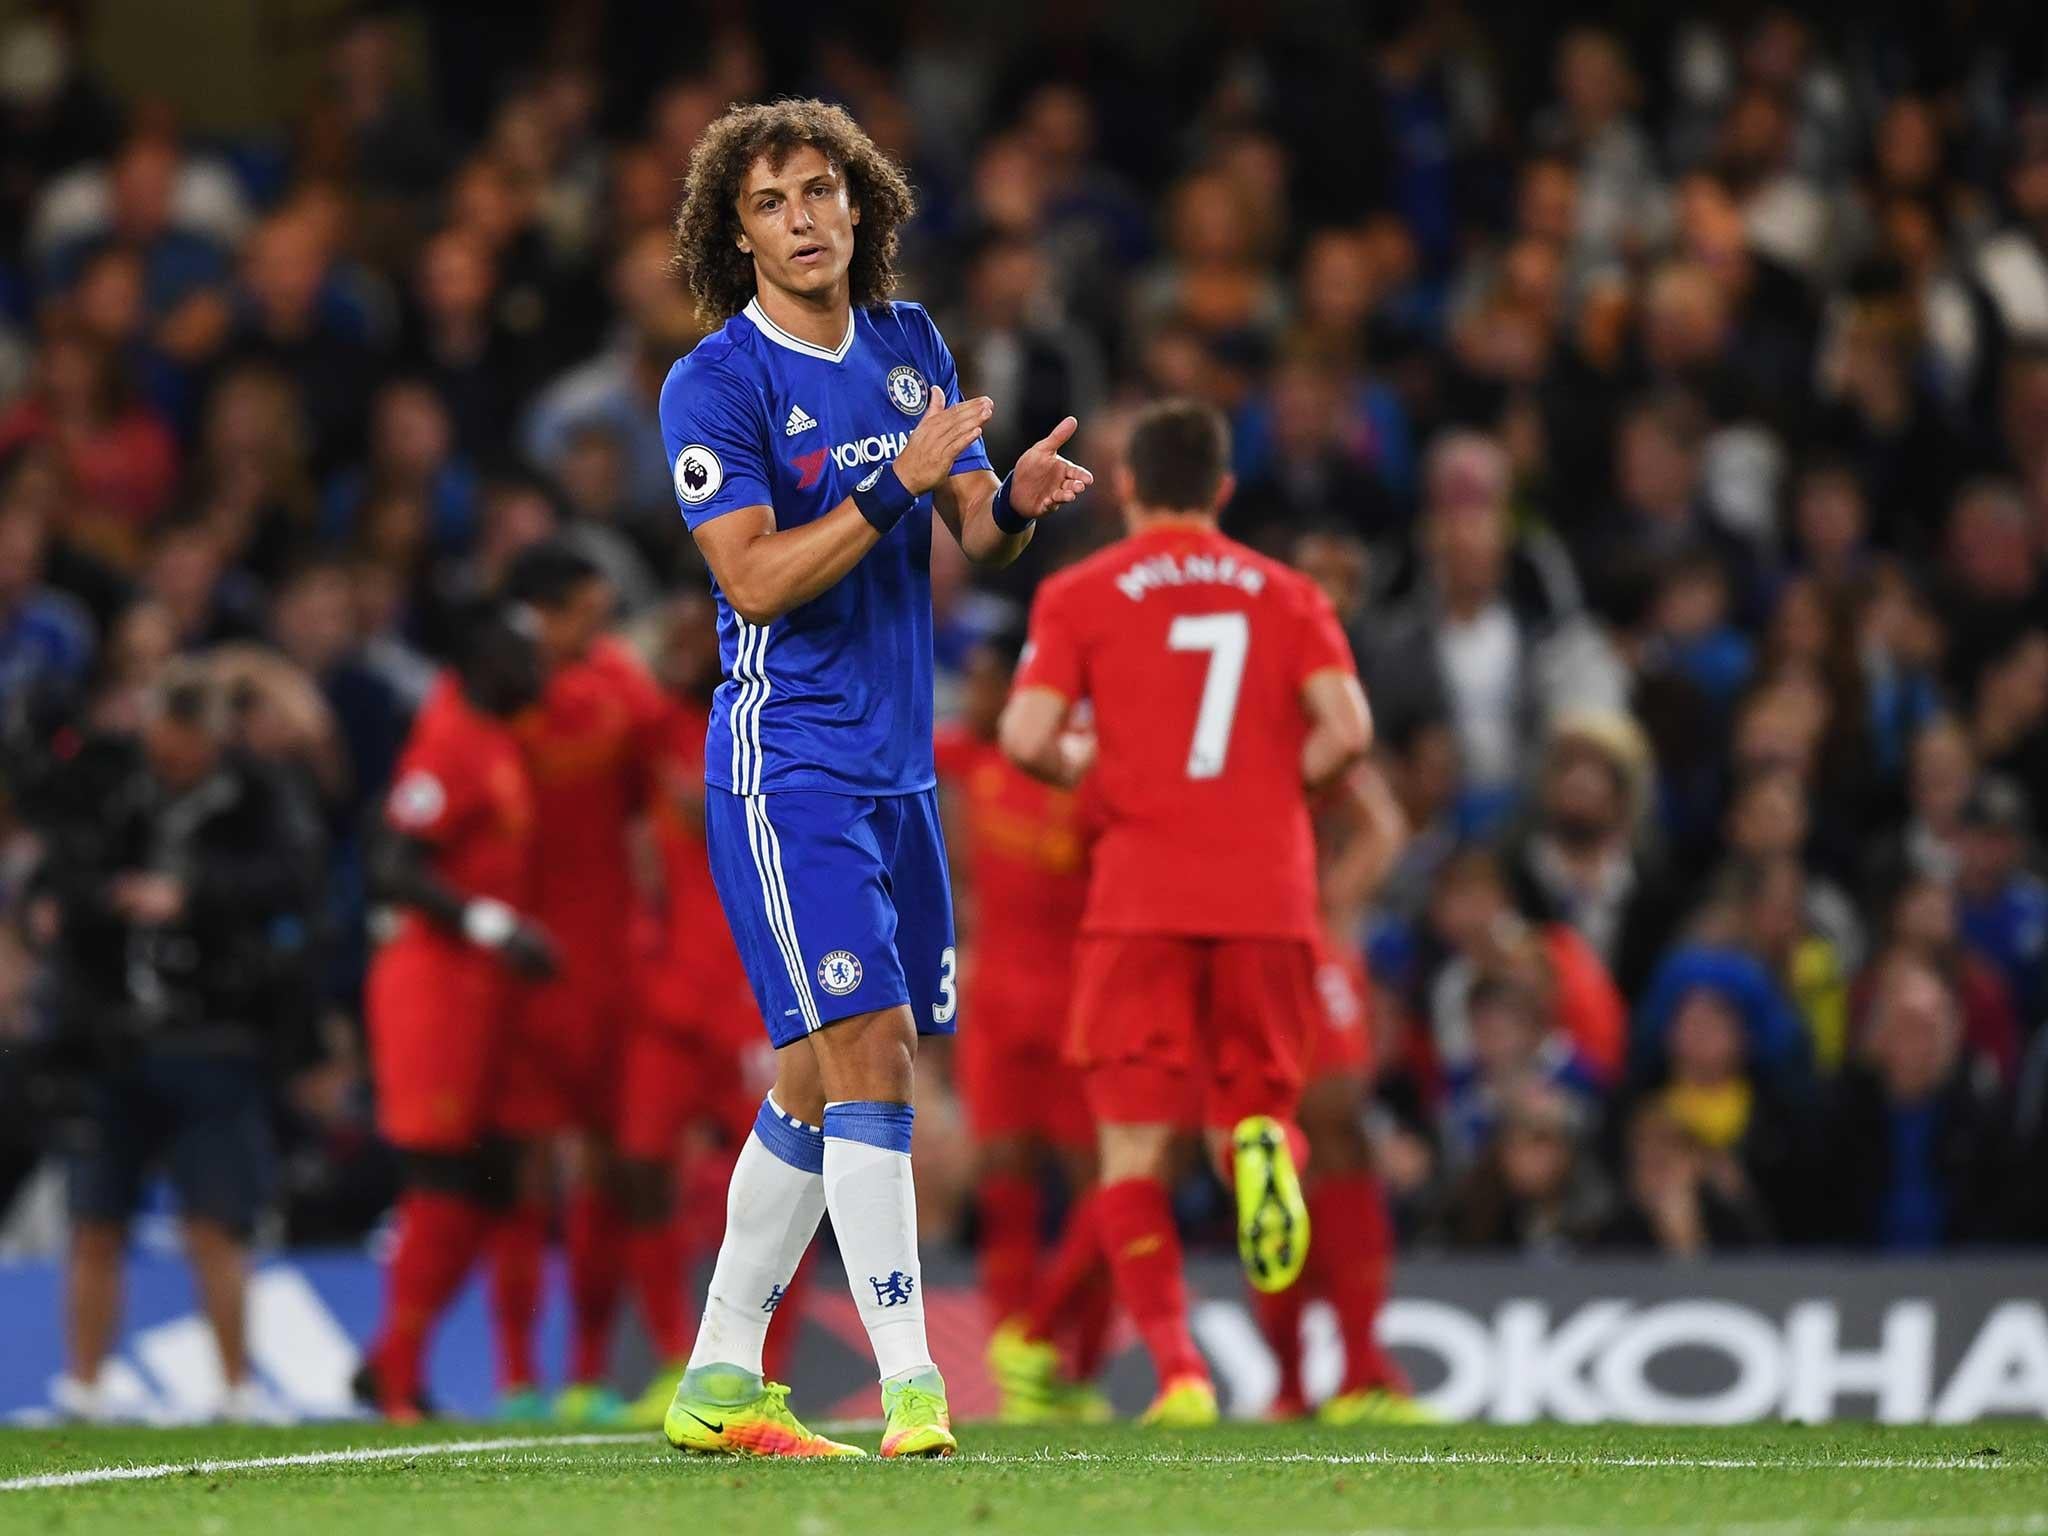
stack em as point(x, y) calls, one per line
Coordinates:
point(946, 378)
point(711, 426)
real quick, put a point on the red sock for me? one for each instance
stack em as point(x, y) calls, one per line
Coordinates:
point(1077, 1265)
point(439, 1237)
point(1008, 1206)
point(1352, 1248)
point(786, 1324)
point(1144, 1251)
point(655, 1256)
point(1279, 1315)
point(1087, 1340)
point(596, 1238)
point(518, 1245)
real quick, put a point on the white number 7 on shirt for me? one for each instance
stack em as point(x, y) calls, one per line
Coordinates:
point(1225, 636)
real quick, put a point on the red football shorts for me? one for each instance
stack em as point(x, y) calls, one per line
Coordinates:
point(1185, 1030)
point(1343, 1041)
point(437, 1016)
point(1010, 1061)
point(671, 1081)
point(568, 1036)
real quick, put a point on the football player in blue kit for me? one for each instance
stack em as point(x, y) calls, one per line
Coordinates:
point(811, 438)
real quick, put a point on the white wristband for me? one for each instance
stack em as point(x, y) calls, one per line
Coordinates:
point(488, 923)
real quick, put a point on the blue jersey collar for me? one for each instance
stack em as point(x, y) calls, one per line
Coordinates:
point(782, 338)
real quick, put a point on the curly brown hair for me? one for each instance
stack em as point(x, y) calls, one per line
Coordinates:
point(720, 275)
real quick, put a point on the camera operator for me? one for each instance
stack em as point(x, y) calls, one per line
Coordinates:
point(183, 877)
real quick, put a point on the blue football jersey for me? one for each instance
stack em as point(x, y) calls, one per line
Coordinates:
point(835, 695)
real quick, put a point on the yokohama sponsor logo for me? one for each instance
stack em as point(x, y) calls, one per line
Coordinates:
point(869, 450)
point(1685, 1360)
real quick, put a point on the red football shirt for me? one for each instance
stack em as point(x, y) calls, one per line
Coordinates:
point(461, 787)
point(1027, 858)
point(589, 744)
point(1193, 650)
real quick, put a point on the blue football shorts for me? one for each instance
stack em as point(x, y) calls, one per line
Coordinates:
point(839, 904)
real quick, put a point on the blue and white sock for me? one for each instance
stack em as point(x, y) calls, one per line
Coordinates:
point(772, 1209)
point(874, 1216)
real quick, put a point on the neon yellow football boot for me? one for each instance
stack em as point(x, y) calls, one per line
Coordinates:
point(1079, 1402)
point(1186, 1402)
point(1028, 1374)
point(1375, 1406)
point(919, 1423)
point(650, 1409)
point(723, 1409)
point(1272, 1218)
point(587, 1405)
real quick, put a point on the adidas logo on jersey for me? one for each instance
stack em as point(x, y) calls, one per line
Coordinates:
point(800, 420)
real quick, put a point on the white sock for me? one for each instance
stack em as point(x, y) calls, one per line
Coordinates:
point(772, 1209)
point(874, 1215)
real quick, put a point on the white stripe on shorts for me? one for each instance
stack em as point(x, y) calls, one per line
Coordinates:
point(767, 849)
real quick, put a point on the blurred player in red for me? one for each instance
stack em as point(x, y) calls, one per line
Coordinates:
point(455, 859)
point(1224, 694)
point(1360, 831)
point(1021, 843)
point(696, 1063)
point(589, 745)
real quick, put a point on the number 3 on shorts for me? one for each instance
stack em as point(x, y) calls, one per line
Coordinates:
point(949, 992)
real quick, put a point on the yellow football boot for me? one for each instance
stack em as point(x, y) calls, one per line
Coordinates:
point(1186, 1402)
point(650, 1409)
point(918, 1421)
point(720, 1409)
point(1375, 1406)
point(1272, 1218)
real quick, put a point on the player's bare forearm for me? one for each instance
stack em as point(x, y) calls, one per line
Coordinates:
point(1056, 765)
point(1033, 734)
point(1388, 839)
point(1325, 757)
point(401, 875)
point(1041, 762)
point(1375, 832)
point(765, 572)
point(967, 503)
point(1076, 758)
point(1340, 726)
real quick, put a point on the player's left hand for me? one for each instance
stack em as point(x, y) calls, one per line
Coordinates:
point(1043, 479)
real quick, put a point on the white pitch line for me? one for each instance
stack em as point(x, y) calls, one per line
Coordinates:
point(132, 1473)
point(136, 1474)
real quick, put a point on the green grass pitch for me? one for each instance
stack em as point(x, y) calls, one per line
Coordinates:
point(1272, 1480)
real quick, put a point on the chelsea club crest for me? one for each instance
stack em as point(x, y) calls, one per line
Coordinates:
point(906, 390)
point(839, 973)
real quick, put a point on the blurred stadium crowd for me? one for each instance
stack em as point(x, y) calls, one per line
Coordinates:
point(1666, 408)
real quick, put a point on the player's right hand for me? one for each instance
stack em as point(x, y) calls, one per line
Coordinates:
point(531, 953)
point(491, 924)
point(941, 437)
